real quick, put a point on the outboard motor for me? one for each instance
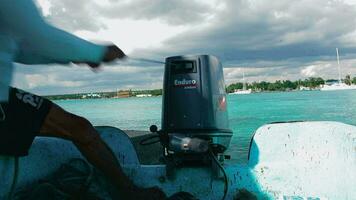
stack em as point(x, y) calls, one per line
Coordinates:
point(194, 114)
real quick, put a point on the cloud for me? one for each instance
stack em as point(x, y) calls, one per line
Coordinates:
point(234, 30)
point(311, 70)
point(36, 80)
point(329, 70)
point(86, 15)
point(265, 30)
point(72, 15)
point(268, 40)
point(324, 69)
point(78, 79)
point(175, 12)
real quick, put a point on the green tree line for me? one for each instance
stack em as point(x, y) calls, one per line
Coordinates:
point(286, 85)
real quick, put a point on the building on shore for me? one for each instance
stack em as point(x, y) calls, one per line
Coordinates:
point(123, 94)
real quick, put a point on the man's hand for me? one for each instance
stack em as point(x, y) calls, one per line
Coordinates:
point(112, 53)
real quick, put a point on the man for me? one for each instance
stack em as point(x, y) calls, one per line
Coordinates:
point(26, 38)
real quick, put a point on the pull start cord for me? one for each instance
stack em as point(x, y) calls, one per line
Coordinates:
point(146, 60)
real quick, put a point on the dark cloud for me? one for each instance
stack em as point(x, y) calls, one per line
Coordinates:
point(249, 31)
point(175, 12)
point(89, 15)
point(243, 30)
point(268, 40)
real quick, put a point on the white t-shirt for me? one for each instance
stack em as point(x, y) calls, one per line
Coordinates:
point(26, 38)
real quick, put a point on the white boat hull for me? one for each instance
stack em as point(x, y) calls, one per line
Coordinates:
point(338, 86)
point(303, 160)
point(242, 92)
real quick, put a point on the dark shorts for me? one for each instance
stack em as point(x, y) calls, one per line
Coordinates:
point(24, 116)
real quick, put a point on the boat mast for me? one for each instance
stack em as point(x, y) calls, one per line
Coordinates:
point(244, 82)
point(338, 63)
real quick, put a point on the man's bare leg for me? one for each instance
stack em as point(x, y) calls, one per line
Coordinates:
point(59, 123)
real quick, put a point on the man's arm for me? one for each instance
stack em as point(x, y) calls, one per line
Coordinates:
point(29, 58)
point(43, 40)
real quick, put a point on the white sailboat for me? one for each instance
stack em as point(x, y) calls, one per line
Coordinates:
point(338, 85)
point(243, 90)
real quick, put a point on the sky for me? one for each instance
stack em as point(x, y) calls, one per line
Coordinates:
point(265, 40)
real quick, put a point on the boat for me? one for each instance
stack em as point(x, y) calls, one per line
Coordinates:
point(286, 160)
point(339, 85)
point(144, 95)
point(292, 160)
point(244, 89)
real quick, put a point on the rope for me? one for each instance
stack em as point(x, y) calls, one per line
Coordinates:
point(71, 181)
point(226, 185)
point(3, 116)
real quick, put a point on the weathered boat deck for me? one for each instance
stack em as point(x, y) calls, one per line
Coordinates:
point(147, 154)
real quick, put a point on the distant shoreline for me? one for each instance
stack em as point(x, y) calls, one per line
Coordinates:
point(107, 95)
point(78, 96)
point(309, 84)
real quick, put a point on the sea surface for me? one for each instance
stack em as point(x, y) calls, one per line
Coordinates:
point(246, 112)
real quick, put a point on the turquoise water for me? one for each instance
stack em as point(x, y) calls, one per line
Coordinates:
point(246, 112)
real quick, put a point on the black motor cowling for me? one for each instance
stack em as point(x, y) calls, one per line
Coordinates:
point(194, 110)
